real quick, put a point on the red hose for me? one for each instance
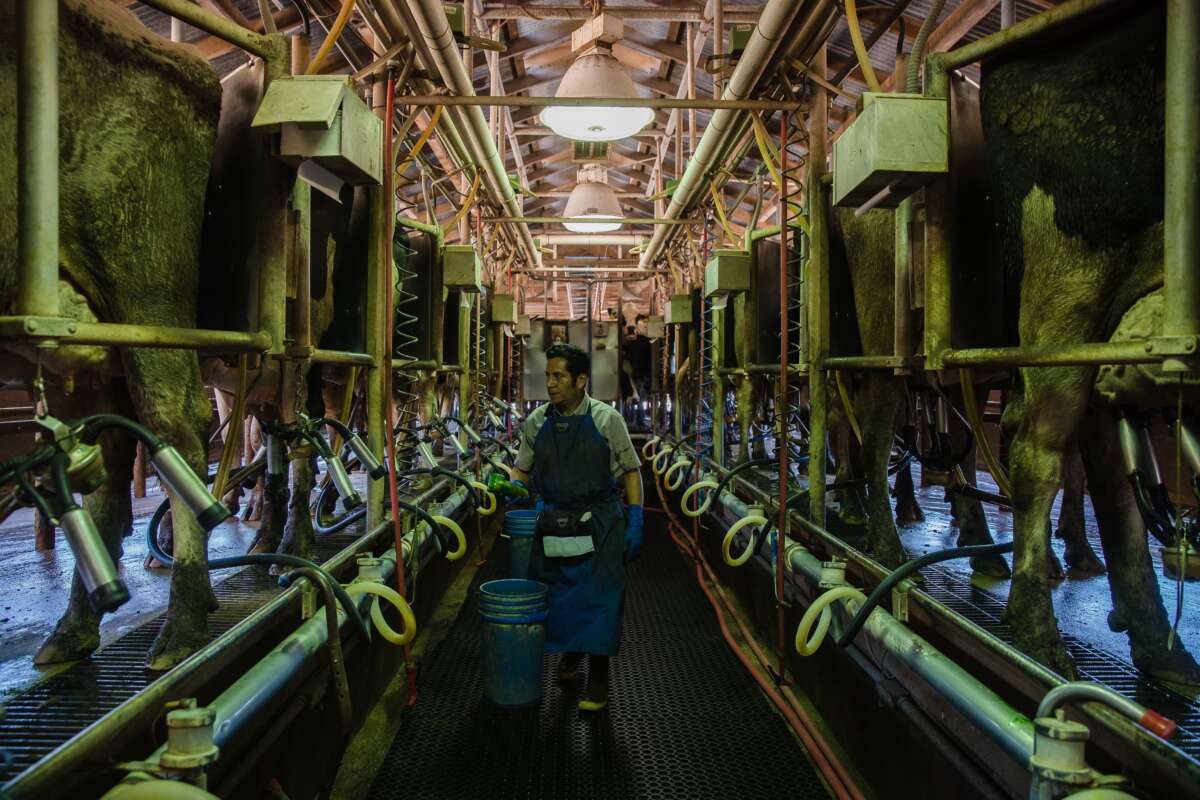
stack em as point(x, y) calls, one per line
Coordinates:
point(835, 772)
point(385, 250)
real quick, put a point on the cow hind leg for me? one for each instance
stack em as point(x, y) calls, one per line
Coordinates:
point(1052, 403)
point(167, 393)
point(1081, 558)
point(1137, 603)
point(876, 414)
point(77, 633)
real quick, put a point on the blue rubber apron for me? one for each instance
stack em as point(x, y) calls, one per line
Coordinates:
point(572, 470)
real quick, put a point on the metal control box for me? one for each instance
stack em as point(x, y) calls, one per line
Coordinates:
point(656, 327)
point(727, 271)
point(679, 310)
point(523, 328)
point(319, 117)
point(504, 308)
point(898, 143)
point(739, 37)
point(461, 268)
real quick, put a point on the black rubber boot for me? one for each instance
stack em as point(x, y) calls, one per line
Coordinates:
point(595, 696)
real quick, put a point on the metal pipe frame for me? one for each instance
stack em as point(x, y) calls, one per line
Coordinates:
point(521, 101)
point(677, 13)
point(263, 46)
point(1179, 346)
point(132, 717)
point(37, 161)
point(1163, 754)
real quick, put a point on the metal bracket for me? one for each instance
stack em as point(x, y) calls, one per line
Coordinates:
point(308, 599)
point(900, 601)
point(1183, 346)
point(30, 327)
point(300, 352)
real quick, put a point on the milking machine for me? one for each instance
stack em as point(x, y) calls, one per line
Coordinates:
point(1179, 537)
point(69, 460)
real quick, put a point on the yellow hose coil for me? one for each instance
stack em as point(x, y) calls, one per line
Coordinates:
point(648, 447)
point(421, 140)
point(727, 542)
point(691, 490)
point(679, 471)
point(461, 550)
point(490, 503)
point(393, 597)
point(820, 608)
point(660, 456)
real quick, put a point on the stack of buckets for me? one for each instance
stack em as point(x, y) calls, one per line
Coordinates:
point(514, 635)
point(514, 622)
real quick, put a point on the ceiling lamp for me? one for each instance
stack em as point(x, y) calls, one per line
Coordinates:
point(593, 198)
point(597, 73)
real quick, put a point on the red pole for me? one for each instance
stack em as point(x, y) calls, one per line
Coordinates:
point(781, 411)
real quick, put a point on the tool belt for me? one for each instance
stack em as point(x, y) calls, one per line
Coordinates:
point(566, 533)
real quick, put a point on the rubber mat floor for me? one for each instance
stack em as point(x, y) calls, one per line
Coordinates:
point(685, 719)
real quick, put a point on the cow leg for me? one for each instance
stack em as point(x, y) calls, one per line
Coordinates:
point(77, 633)
point(1052, 401)
point(877, 409)
point(274, 507)
point(1137, 603)
point(745, 415)
point(1071, 526)
point(298, 534)
point(167, 392)
point(908, 510)
point(968, 512)
point(851, 510)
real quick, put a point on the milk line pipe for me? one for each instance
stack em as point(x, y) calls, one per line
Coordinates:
point(1163, 754)
point(970, 697)
point(131, 717)
point(222, 28)
point(255, 691)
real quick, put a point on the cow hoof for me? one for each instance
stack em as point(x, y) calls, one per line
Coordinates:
point(908, 514)
point(1054, 568)
point(70, 641)
point(173, 645)
point(1175, 667)
point(1117, 623)
point(993, 566)
point(1052, 654)
point(890, 555)
point(1083, 561)
point(150, 562)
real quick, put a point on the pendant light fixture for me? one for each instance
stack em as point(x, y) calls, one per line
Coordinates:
point(592, 198)
point(597, 73)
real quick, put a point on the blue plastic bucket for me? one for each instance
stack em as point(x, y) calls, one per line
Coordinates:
point(514, 636)
point(520, 527)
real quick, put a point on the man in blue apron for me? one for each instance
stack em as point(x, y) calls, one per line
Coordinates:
point(578, 452)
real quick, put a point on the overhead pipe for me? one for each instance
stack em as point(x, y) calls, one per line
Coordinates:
point(430, 19)
point(776, 19)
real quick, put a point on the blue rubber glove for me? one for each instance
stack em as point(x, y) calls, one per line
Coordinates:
point(634, 523)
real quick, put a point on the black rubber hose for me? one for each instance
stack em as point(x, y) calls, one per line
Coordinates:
point(93, 426)
point(259, 559)
point(745, 465)
point(449, 474)
point(904, 570)
point(433, 524)
point(344, 521)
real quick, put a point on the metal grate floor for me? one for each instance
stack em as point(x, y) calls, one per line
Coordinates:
point(984, 610)
point(46, 715)
point(684, 720)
